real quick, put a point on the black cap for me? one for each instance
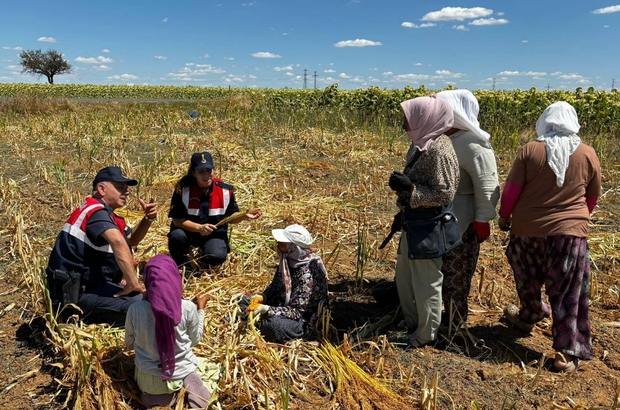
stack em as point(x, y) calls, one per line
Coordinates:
point(112, 174)
point(202, 160)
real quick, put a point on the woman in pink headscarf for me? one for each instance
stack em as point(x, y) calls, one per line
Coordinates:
point(162, 329)
point(425, 191)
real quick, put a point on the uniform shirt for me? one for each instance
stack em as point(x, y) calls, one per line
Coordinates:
point(543, 208)
point(96, 267)
point(178, 210)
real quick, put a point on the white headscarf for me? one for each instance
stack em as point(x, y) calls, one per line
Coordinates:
point(557, 127)
point(465, 107)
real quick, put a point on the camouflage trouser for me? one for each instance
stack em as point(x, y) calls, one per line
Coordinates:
point(458, 269)
point(562, 264)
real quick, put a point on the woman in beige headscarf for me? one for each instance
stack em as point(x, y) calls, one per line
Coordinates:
point(425, 191)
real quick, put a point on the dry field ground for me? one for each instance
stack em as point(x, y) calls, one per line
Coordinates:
point(335, 183)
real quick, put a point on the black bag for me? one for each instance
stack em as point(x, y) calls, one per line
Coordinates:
point(431, 232)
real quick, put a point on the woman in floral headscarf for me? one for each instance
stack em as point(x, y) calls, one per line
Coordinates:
point(550, 192)
point(425, 191)
point(162, 329)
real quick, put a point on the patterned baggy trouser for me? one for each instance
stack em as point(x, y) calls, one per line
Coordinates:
point(562, 264)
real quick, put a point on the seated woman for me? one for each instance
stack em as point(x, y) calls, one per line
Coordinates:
point(289, 305)
point(162, 329)
point(198, 203)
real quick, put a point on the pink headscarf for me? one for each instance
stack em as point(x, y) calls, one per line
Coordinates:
point(164, 291)
point(428, 118)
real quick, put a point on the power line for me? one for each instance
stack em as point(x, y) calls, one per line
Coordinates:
point(315, 77)
point(613, 84)
point(305, 78)
point(548, 87)
point(493, 84)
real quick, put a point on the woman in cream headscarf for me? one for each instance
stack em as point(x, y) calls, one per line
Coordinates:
point(474, 203)
point(550, 192)
point(425, 190)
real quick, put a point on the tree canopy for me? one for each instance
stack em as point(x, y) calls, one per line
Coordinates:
point(48, 63)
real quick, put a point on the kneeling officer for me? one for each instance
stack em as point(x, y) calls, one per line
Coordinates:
point(91, 264)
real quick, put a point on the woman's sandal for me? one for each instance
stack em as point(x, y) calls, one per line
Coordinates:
point(565, 363)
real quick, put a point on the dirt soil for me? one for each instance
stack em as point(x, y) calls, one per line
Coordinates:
point(501, 371)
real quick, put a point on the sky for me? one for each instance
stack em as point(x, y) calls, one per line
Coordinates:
point(555, 44)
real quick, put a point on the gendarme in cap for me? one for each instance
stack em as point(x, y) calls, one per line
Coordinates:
point(202, 160)
point(112, 174)
point(296, 234)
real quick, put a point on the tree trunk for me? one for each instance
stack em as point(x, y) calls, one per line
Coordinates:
point(50, 79)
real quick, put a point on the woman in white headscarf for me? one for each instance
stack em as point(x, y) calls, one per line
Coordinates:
point(289, 306)
point(425, 192)
point(550, 192)
point(474, 203)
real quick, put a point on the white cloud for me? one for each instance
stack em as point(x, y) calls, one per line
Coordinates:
point(360, 42)
point(12, 48)
point(571, 77)
point(193, 72)
point(13, 68)
point(206, 56)
point(94, 60)
point(413, 25)
point(47, 39)
point(329, 71)
point(123, 77)
point(229, 58)
point(605, 26)
point(387, 74)
point(105, 50)
point(606, 10)
point(101, 68)
point(249, 4)
point(525, 41)
point(285, 68)
point(556, 73)
point(418, 64)
point(289, 73)
point(457, 13)
point(343, 75)
point(527, 73)
point(500, 13)
point(161, 57)
point(448, 74)
point(165, 20)
point(488, 22)
point(460, 27)
point(265, 54)
point(411, 77)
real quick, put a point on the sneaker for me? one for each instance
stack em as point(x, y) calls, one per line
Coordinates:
point(511, 313)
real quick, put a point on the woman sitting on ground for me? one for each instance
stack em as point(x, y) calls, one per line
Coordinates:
point(162, 329)
point(289, 305)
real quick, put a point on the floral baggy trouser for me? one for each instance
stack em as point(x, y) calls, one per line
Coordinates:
point(459, 266)
point(562, 264)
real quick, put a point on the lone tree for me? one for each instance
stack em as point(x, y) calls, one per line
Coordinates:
point(49, 63)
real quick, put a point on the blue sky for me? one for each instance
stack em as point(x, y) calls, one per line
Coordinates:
point(561, 44)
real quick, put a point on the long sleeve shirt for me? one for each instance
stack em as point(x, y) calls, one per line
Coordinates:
point(140, 335)
point(308, 290)
point(435, 175)
point(478, 191)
